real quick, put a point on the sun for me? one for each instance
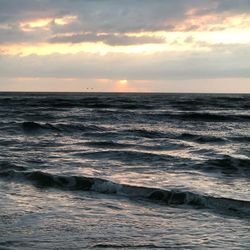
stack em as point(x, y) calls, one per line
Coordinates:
point(123, 82)
point(122, 85)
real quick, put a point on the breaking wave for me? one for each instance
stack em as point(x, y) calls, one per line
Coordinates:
point(165, 197)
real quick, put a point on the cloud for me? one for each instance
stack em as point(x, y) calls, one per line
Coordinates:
point(117, 16)
point(109, 39)
point(11, 34)
point(111, 16)
point(12, 11)
point(236, 6)
point(222, 62)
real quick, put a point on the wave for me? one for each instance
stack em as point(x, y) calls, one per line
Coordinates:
point(116, 145)
point(95, 102)
point(42, 116)
point(146, 133)
point(210, 101)
point(198, 116)
point(184, 136)
point(214, 117)
point(126, 101)
point(127, 156)
point(34, 127)
point(201, 138)
point(165, 197)
point(101, 102)
point(227, 165)
point(246, 106)
point(107, 144)
point(241, 139)
point(6, 165)
point(127, 246)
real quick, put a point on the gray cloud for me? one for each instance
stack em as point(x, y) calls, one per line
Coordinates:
point(116, 15)
point(12, 11)
point(236, 6)
point(110, 39)
point(13, 34)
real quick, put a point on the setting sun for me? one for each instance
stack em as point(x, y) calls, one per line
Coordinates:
point(123, 82)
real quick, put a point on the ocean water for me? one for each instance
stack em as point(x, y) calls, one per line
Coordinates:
point(126, 171)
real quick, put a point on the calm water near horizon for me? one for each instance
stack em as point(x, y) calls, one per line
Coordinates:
point(127, 171)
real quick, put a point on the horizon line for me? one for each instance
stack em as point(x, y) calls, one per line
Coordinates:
point(114, 92)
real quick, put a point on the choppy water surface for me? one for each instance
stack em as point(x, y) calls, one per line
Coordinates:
point(138, 171)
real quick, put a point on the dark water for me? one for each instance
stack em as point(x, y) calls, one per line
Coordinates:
point(137, 171)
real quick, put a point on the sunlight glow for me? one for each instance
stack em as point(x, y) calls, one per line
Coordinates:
point(39, 23)
point(42, 49)
point(214, 23)
point(123, 82)
point(45, 22)
point(124, 86)
point(65, 20)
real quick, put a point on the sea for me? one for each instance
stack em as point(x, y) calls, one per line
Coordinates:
point(124, 171)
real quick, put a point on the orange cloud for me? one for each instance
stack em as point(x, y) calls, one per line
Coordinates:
point(44, 23)
point(34, 24)
point(65, 20)
point(213, 22)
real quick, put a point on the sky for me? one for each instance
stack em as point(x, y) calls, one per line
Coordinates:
point(125, 45)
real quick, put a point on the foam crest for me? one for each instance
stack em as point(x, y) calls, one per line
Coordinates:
point(171, 197)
